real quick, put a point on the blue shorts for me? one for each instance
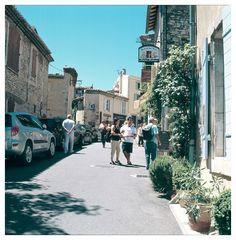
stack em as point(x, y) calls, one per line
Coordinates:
point(127, 147)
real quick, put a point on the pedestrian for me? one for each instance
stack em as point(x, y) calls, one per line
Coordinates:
point(151, 143)
point(68, 125)
point(115, 141)
point(103, 130)
point(128, 132)
point(140, 135)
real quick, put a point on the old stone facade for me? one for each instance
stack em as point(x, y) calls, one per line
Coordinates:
point(95, 105)
point(26, 66)
point(174, 27)
point(61, 92)
point(166, 25)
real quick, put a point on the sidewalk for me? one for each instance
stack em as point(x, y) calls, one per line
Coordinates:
point(178, 212)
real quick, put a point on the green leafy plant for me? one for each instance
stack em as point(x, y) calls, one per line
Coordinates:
point(221, 212)
point(172, 88)
point(161, 174)
point(198, 194)
point(180, 168)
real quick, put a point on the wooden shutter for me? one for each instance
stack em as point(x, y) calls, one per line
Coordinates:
point(33, 70)
point(205, 100)
point(13, 48)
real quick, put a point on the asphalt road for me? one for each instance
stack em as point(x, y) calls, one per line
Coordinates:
point(83, 194)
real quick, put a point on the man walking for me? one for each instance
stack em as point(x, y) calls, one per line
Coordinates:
point(68, 126)
point(151, 140)
point(128, 132)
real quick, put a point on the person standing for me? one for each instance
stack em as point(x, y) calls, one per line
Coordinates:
point(115, 141)
point(140, 135)
point(151, 145)
point(128, 132)
point(68, 125)
point(103, 130)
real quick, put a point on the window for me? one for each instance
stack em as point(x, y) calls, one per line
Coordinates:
point(8, 121)
point(123, 107)
point(107, 105)
point(13, 48)
point(135, 97)
point(137, 85)
point(34, 58)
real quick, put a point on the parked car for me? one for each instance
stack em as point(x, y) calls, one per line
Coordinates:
point(92, 131)
point(25, 135)
point(78, 136)
point(54, 125)
point(86, 134)
point(96, 134)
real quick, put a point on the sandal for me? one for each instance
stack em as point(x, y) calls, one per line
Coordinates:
point(118, 162)
point(129, 163)
point(112, 162)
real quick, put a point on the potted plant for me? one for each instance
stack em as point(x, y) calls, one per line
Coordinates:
point(198, 208)
point(199, 203)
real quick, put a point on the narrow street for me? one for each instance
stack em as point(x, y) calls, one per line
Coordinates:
point(83, 194)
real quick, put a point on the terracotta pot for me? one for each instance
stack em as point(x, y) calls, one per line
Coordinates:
point(203, 223)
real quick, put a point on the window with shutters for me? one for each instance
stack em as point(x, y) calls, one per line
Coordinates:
point(34, 59)
point(13, 48)
point(107, 105)
point(123, 107)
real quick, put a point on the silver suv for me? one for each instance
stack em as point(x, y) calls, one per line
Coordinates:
point(25, 135)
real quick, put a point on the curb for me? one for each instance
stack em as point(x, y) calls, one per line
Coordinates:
point(182, 219)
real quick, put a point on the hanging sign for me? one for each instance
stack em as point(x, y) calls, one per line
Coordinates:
point(148, 53)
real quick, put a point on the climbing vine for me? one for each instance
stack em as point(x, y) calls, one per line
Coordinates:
point(172, 88)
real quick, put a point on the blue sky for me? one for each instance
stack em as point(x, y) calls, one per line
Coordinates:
point(96, 40)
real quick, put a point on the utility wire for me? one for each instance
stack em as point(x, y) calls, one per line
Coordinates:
point(56, 68)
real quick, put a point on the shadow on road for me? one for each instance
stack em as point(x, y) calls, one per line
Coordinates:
point(29, 210)
point(14, 172)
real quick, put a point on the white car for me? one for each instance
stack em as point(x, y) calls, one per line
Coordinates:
point(25, 135)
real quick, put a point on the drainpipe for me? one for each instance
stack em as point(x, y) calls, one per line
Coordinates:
point(192, 31)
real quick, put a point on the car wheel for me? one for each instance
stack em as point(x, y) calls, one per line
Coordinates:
point(80, 142)
point(27, 155)
point(51, 150)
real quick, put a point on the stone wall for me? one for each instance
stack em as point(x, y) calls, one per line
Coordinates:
point(28, 94)
point(177, 25)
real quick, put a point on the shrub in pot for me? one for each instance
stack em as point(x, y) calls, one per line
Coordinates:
point(199, 203)
point(221, 212)
point(198, 207)
point(161, 174)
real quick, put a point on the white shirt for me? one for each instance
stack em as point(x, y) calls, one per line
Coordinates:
point(129, 133)
point(68, 124)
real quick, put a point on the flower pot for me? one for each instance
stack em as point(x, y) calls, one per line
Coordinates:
point(203, 223)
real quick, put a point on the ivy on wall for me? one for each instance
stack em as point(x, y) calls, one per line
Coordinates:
point(172, 88)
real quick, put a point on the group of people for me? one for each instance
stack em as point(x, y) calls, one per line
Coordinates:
point(126, 134)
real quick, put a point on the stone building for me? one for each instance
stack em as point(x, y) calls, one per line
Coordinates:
point(26, 65)
point(61, 92)
point(94, 105)
point(166, 25)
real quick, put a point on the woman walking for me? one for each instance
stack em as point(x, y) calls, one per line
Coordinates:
point(115, 141)
point(103, 130)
